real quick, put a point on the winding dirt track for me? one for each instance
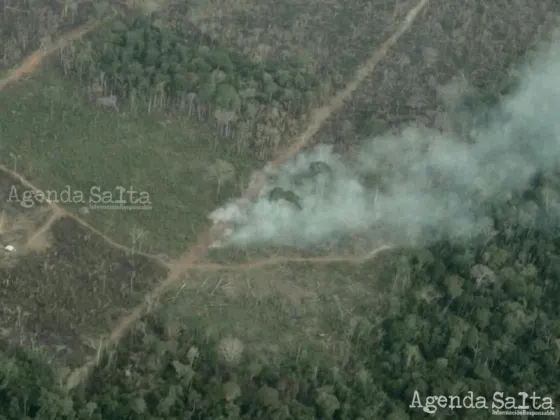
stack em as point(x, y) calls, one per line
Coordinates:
point(193, 257)
point(328, 259)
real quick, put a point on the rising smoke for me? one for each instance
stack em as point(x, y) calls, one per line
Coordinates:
point(418, 185)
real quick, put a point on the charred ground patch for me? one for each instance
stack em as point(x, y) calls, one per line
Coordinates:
point(66, 298)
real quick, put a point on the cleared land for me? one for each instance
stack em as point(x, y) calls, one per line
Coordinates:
point(77, 145)
point(136, 152)
point(448, 53)
point(276, 309)
point(63, 287)
point(99, 147)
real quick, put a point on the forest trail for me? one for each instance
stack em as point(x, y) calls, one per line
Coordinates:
point(327, 259)
point(31, 63)
point(321, 115)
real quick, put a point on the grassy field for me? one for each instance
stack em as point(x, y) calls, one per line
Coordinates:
point(56, 138)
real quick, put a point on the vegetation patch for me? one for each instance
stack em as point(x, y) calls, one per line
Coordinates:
point(335, 37)
point(26, 26)
point(57, 139)
point(64, 299)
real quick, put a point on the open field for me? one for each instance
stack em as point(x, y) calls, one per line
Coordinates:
point(278, 307)
point(331, 332)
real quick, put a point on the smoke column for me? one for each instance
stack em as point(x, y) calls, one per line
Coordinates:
point(426, 185)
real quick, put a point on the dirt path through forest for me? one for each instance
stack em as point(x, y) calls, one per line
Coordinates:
point(321, 115)
point(327, 259)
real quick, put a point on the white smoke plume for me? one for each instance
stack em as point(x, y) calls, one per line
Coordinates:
point(419, 185)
